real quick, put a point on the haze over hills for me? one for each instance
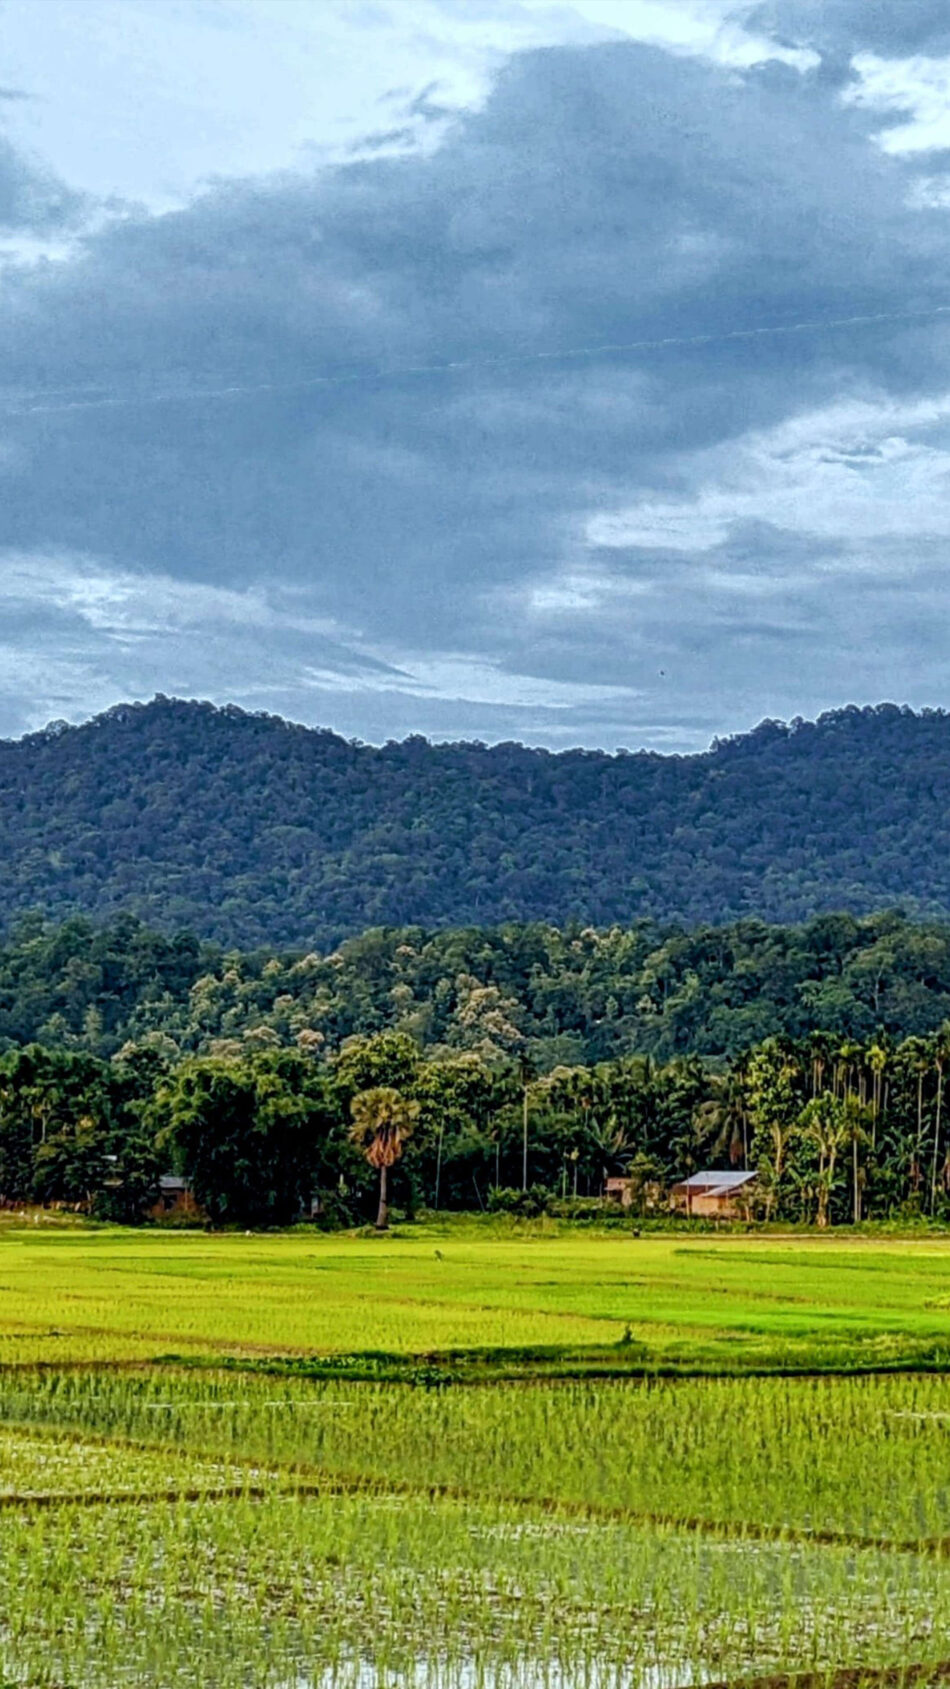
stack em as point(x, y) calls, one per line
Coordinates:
point(253, 831)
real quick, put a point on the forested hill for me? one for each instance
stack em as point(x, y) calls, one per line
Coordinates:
point(252, 831)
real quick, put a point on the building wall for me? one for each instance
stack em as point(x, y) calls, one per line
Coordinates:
point(710, 1205)
point(619, 1190)
point(181, 1206)
point(729, 1205)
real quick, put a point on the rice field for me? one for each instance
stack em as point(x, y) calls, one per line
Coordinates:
point(200, 1520)
point(69, 1294)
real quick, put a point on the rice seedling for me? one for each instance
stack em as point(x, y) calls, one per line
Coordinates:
point(355, 1590)
point(42, 1466)
point(866, 1458)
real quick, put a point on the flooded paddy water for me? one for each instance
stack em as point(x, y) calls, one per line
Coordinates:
point(210, 1528)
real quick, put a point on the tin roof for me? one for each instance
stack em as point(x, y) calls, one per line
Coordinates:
point(711, 1180)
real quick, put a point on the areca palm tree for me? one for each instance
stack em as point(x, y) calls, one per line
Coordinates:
point(825, 1123)
point(821, 1052)
point(941, 1056)
point(383, 1120)
point(877, 1059)
point(848, 1059)
point(917, 1054)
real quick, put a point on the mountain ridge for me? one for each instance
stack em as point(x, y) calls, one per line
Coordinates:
point(253, 830)
point(768, 727)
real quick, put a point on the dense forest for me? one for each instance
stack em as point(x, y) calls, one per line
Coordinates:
point(478, 1068)
point(251, 831)
point(542, 994)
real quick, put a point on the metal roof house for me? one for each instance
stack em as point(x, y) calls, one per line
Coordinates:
point(174, 1197)
point(715, 1194)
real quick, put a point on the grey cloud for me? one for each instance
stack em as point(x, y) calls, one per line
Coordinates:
point(32, 199)
point(840, 28)
point(602, 196)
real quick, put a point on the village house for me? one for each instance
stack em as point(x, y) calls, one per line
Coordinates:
point(619, 1190)
point(174, 1197)
point(714, 1195)
point(646, 1195)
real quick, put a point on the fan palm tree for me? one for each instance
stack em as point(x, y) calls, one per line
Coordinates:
point(383, 1120)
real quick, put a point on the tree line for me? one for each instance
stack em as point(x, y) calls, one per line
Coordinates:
point(838, 1130)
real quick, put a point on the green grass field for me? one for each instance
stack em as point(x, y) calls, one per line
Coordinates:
point(469, 1455)
point(87, 1294)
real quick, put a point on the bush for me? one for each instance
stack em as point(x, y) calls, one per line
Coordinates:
point(590, 1210)
point(528, 1205)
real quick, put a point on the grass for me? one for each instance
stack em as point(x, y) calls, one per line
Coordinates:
point(305, 1498)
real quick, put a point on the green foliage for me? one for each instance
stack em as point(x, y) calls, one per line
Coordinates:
point(126, 1052)
point(527, 1204)
point(254, 832)
point(70, 1134)
point(488, 998)
point(247, 1135)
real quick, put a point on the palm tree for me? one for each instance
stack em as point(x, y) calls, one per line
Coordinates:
point(847, 1058)
point(941, 1055)
point(383, 1120)
point(825, 1122)
point(859, 1118)
point(773, 1086)
point(917, 1051)
point(877, 1062)
point(820, 1051)
point(722, 1120)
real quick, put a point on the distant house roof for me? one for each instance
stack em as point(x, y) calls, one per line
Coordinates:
point(710, 1180)
point(171, 1183)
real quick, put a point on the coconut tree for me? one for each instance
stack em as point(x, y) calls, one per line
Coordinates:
point(383, 1120)
point(722, 1121)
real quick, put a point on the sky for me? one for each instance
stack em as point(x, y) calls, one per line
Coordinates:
point(569, 371)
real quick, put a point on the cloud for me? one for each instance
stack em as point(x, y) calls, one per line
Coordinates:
point(841, 28)
point(32, 200)
point(361, 420)
point(259, 647)
point(854, 473)
point(149, 99)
